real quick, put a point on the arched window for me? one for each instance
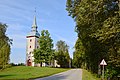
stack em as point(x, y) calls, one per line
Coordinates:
point(37, 47)
point(30, 46)
point(30, 40)
point(30, 53)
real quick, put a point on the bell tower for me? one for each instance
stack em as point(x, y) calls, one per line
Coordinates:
point(32, 43)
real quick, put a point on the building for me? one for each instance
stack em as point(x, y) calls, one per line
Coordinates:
point(32, 43)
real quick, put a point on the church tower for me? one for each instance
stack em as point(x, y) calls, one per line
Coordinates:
point(32, 43)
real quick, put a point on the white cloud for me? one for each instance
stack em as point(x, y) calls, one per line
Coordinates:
point(18, 34)
point(64, 39)
point(19, 41)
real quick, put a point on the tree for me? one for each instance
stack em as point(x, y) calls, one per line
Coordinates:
point(62, 54)
point(78, 55)
point(4, 46)
point(45, 52)
point(98, 28)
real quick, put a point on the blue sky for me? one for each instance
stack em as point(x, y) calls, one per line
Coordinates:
point(51, 15)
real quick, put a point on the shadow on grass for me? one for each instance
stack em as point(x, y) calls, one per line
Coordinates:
point(5, 75)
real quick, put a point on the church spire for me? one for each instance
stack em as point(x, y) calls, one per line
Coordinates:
point(34, 21)
point(34, 32)
point(34, 25)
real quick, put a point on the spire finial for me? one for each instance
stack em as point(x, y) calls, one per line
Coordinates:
point(35, 11)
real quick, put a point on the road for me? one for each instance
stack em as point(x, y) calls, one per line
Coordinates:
point(73, 74)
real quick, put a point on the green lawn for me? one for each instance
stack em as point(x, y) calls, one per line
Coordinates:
point(88, 76)
point(23, 72)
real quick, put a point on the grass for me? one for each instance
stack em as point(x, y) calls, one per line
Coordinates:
point(88, 76)
point(23, 72)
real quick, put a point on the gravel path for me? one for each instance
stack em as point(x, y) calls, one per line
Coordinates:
point(73, 74)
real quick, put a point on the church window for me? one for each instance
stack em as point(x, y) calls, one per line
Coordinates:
point(30, 40)
point(28, 57)
point(37, 47)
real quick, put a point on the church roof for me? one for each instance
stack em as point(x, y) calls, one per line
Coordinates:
point(33, 34)
point(34, 31)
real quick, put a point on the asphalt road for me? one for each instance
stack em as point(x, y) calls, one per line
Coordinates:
point(73, 74)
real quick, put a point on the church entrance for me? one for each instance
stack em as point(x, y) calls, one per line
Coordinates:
point(29, 63)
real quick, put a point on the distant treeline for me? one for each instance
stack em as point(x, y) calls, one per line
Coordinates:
point(19, 64)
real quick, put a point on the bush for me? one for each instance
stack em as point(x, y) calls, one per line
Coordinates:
point(13, 64)
point(21, 64)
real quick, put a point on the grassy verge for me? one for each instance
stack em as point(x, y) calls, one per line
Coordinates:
point(23, 72)
point(88, 76)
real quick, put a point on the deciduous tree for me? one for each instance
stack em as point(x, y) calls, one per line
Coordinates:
point(4, 46)
point(45, 52)
point(98, 28)
point(62, 54)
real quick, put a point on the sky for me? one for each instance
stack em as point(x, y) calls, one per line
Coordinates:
point(51, 15)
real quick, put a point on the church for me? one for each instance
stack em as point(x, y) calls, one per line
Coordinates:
point(32, 43)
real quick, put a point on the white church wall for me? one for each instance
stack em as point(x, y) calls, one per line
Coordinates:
point(31, 45)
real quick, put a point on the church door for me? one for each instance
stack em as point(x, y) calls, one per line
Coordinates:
point(29, 63)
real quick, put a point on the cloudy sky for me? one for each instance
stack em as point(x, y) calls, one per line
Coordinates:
point(51, 15)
